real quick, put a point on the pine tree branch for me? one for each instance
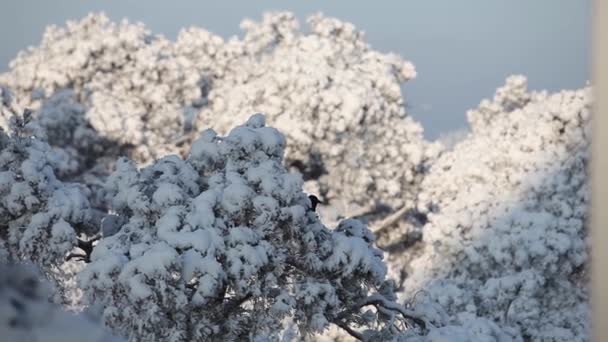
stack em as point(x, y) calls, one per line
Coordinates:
point(383, 305)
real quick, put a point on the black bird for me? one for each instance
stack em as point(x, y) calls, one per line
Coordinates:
point(313, 202)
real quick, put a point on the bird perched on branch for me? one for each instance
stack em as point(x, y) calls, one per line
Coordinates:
point(314, 200)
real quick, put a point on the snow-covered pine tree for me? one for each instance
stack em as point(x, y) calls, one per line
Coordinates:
point(507, 207)
point(223, 245)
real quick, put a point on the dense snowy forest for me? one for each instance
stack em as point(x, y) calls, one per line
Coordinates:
point(157, 190)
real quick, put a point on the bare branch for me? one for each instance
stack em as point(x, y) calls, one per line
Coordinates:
point(77, 256)
point(233, 304)
point(389, 221)
point(350, 331)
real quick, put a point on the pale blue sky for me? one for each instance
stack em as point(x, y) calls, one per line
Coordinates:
point(462, 50)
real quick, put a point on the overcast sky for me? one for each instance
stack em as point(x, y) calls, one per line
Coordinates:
point(462, 50)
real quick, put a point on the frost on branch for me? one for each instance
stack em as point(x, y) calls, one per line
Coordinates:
point(27, 315)
point(506, 238)
point(224, 245)
point(39, 214)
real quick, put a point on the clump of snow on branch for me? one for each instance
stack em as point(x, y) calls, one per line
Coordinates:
point(507, 210)
point(224, 244)
point(27, 315)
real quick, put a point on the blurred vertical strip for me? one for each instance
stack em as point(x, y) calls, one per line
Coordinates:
point(599, 173)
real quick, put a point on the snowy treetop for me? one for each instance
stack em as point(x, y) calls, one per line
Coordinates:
point(507, 211)
point(338, 101)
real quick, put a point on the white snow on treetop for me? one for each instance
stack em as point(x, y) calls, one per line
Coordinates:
point(337, 100)
point(507, 210)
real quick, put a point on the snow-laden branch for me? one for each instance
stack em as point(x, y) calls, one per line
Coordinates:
point(383, 305)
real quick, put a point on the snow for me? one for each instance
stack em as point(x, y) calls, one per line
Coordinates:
point(167, 194)
point(236, 195)
point(506, 233)
point(207, 233)
point(110, 224)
